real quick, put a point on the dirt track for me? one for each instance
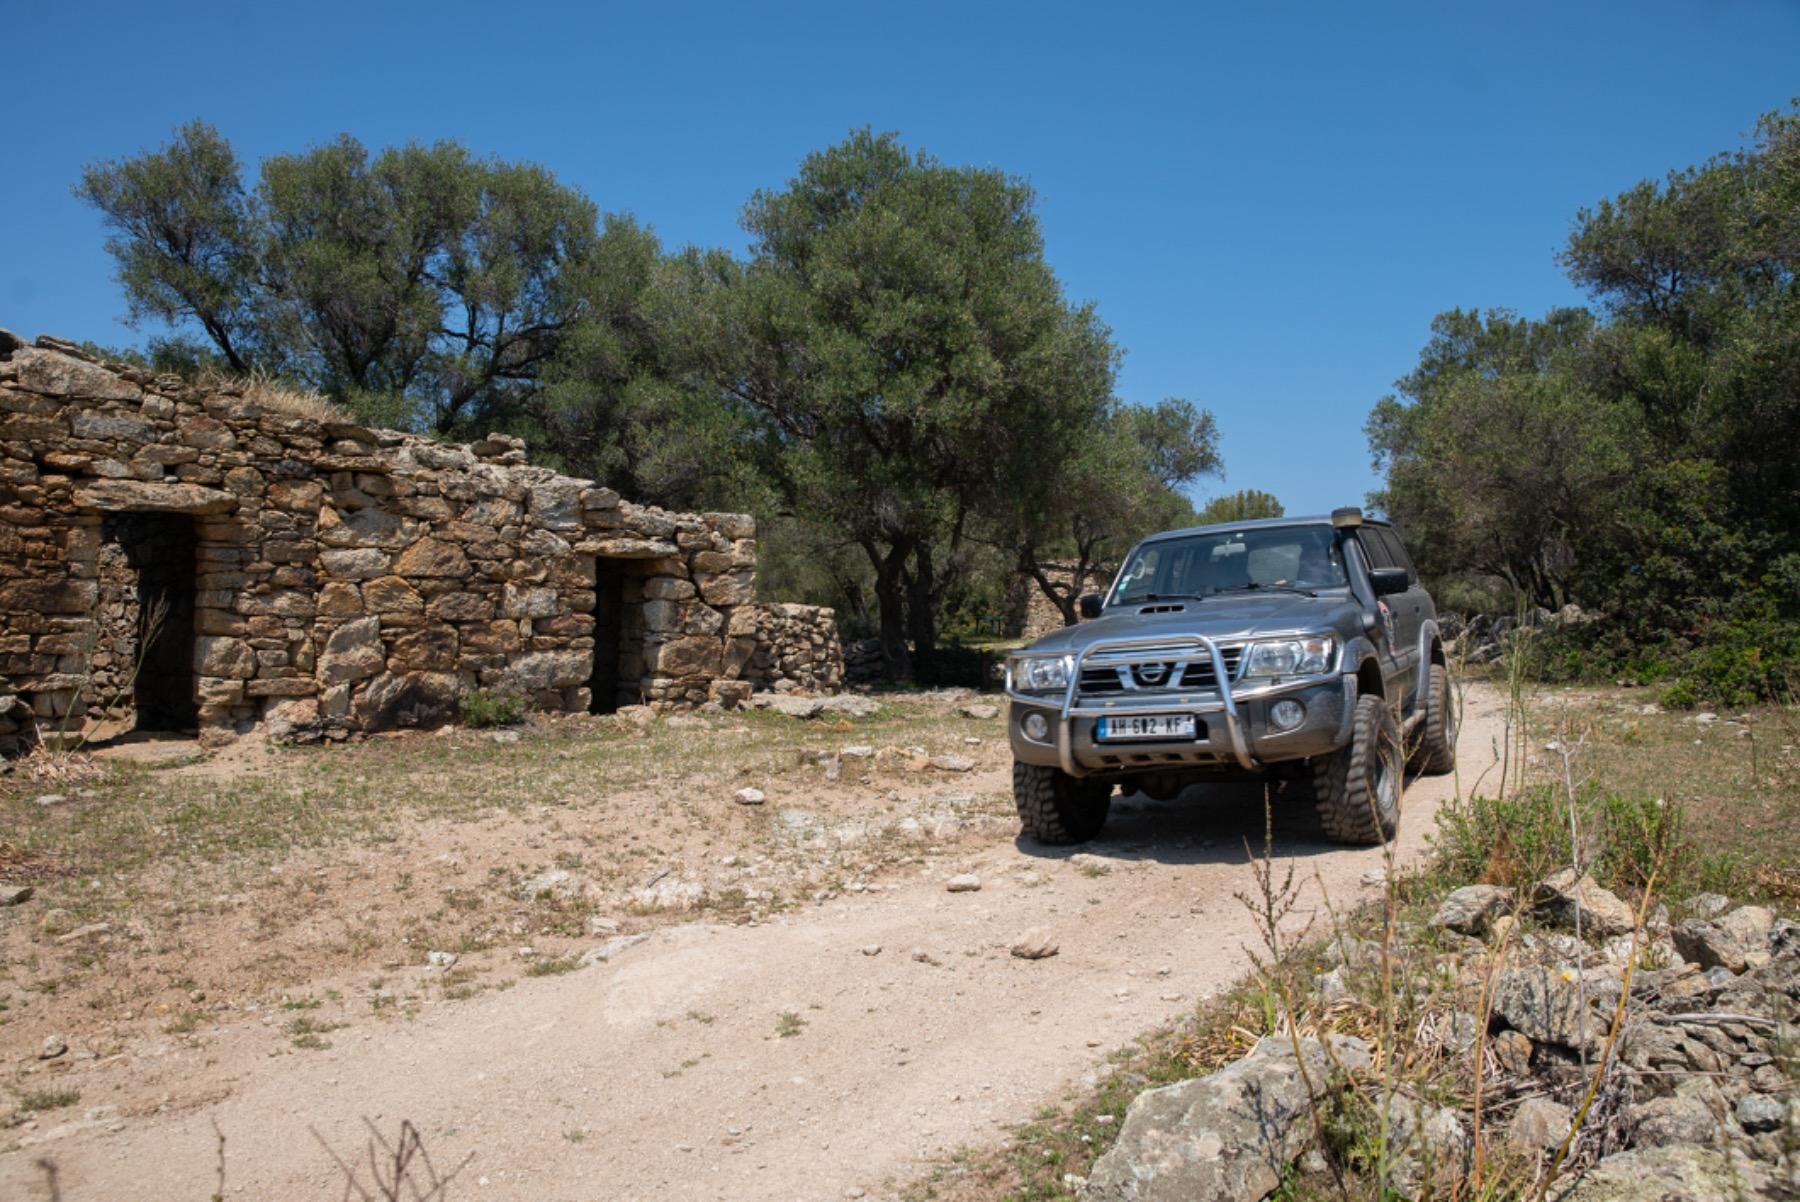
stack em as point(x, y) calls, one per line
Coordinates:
point(671, 1073)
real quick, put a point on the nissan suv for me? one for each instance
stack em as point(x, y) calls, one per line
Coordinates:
point(1299, 648)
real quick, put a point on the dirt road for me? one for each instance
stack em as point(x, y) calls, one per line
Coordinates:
point(838, 1048)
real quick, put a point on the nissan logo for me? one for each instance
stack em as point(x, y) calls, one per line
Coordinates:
point(1152, 673)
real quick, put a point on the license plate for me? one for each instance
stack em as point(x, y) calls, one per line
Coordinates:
point(1147, 726)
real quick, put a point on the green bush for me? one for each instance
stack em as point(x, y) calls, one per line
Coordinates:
point(490, 707)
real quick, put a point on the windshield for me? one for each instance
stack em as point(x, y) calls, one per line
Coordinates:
point(1302, 557)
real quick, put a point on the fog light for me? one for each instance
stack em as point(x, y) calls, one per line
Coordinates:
point(1036, 728)
point(1285, 715)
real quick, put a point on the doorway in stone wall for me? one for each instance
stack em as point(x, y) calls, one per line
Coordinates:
point(145, 660)
point(618, 637)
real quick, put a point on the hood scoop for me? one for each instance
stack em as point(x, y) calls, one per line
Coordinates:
point(1163, 609)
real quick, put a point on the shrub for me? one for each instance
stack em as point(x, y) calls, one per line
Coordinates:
point(490, 707)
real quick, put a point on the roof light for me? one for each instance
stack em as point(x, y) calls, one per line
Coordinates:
point(1348, 518)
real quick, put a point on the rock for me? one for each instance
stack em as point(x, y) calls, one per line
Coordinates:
point(1666, 1174)
point(981, 711)
point(1661, 1122)
point(851, 705)
point(612, 947)
point(353, 652)
point(967, 882)
point(56, 921)
point(83, 933)
point(1737, 941)
point(13, 895)
point(1428, 1148)
point(51, 799)
point(795, 707)
point(749, 797)
point(442, 961)
point(951, 763)
point(1331, 986)
point(1470, 909)
point(1227, 1136)
point(669, 893)
point(1035, 944)
point(1512, 1052)
point(53, 1046)
point(556, 883)
point(1545, 1005)
point(1759, 1112)
point(1560, 896)
point(872, 949)
point(858, 751)
point(1703, 906)
point(1539, 1124)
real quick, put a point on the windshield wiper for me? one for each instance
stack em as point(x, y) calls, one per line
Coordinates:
point(1253, 586)
point(1167, 597)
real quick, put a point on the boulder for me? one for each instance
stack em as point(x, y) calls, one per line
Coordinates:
point(1561, 896)
point(1667, 1121)
point(1227, 1137)
point(1737, 941)
point(1469, 910)
point(353, 652)
point(1428, 1148)
point(1545, 1004)
point(1681, 1171)
point(1539, 1124)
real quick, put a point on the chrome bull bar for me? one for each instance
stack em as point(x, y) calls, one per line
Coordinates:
point(1150, 650)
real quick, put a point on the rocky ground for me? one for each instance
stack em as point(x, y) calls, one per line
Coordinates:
point(755, 955)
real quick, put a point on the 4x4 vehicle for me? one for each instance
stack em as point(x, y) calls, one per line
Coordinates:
point(1300, 648)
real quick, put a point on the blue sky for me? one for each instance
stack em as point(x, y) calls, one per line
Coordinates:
point(1268, 202)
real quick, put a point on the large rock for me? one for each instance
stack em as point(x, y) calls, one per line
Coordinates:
point(1561, 896)
point(1428, 1148)
point(1468, 910)
point(1223, 1138)
point(138, 496)
point(431, 557)
point(1539, 1124)
point(60, 375)
point(1680, 1172)
point(1545, 1003)
point(1678, 1119)
point(353, 652)
point(1737, 941)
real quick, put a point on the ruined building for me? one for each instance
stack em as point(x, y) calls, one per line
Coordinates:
point(179, 557)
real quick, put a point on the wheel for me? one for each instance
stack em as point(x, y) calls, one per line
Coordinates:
point(1055, 807)
point(1436, 752)
point(1357, 788)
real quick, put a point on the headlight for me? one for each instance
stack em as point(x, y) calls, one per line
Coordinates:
point(1041, 673)
point(1291, 657)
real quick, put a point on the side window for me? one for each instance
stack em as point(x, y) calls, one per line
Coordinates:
point(1374, 548)
point(1398, 550)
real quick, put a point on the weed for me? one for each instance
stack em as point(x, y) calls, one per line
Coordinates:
point(552, 966)
point(490, 707)
point(47, 1099)
point(789, 1024)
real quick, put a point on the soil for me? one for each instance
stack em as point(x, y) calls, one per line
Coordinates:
point(811, 1012)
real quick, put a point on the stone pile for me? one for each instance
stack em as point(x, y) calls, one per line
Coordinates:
point(790, 647)
point(1699, 1090)
point(326, 578)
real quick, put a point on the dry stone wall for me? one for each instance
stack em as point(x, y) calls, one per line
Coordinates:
point(327, 578)
point(789, 647)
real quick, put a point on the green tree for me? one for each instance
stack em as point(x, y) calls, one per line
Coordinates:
point(1242, 506)
point(419, 284)
point(898, 328)
point(1123, 478)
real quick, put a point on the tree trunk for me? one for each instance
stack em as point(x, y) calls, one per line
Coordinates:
point(921, 615)
point(890, 599)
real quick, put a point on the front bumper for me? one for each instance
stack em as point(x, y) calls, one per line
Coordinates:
point(1233, 731)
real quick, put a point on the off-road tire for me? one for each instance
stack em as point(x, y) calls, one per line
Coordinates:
point(1436, 752)
point(1057, 808)
point(1357, 804)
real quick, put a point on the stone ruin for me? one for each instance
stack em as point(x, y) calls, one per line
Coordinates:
point(187, 557)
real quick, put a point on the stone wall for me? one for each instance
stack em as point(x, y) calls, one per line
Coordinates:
point(794, 647)
point(1033, 614)
point(337, 578)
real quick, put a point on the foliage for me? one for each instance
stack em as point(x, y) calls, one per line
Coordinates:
point(898, 330)
point(1242, 506)
point(490, 707)
point(1636, 460)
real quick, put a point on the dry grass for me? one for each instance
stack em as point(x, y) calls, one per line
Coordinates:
point(276, 396)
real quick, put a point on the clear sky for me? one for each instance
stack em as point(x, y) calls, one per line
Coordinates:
point(1267, 201)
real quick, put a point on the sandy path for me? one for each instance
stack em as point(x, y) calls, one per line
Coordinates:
point(661, 1075)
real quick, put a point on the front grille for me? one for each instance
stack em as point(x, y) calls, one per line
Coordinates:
point(1102, 679)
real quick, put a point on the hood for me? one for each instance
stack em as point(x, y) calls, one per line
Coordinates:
point(1231, 617)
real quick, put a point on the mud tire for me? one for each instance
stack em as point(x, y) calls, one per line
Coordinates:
point(1436, 752)
point(1057, 808)
point(1357, 789)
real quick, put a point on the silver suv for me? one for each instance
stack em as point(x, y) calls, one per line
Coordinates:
point(1303, 648)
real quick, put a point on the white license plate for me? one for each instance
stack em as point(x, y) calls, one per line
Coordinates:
point(1146, 726)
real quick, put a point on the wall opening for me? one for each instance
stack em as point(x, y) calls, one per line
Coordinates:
point(618, 635)
point(144, 662)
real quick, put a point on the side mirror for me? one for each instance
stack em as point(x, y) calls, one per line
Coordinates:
point(1388, 581)
point(1089, 605)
